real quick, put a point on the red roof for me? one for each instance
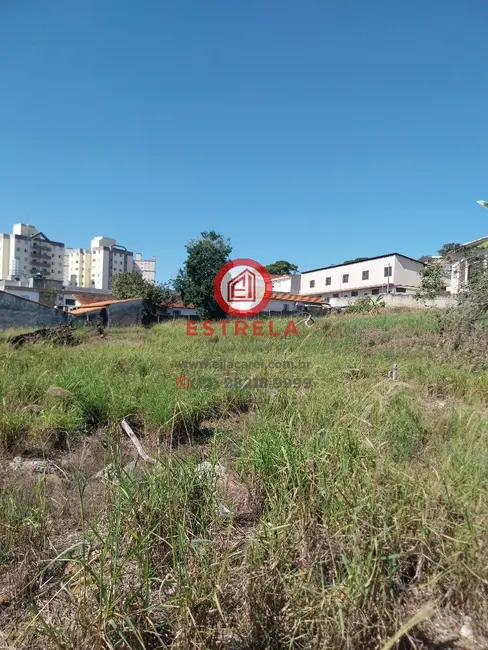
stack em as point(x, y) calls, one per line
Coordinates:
point(293, 297)
point(99, 305)
point(179, 305)
point(90, 298)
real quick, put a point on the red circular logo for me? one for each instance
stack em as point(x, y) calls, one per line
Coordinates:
point(243, 287)
point(182, 382)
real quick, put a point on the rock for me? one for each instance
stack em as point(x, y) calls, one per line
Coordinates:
point(34, 466)
point(466, 629)
point(209, 470)
point(229, 489)
point(57, 391)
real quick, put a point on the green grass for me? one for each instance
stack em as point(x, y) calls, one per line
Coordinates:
point(368, 496)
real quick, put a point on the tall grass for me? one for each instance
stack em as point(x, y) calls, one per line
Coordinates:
point(369, 496)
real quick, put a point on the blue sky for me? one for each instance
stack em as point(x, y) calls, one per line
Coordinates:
point(311, 130)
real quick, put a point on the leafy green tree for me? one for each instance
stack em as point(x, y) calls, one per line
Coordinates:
point(129, 285)
point(432, 281)
point(356, 259)
point(425, 259)
point(156, 298)
point(194, 282)
point(448, 248)
point(281, 267)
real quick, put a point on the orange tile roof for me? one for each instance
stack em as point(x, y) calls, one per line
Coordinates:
point(99, 305)
point(83, 310)
point(297, 298)
point(90, 298)
point(178, 305)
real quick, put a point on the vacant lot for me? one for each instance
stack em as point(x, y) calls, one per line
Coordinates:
point(317, 507)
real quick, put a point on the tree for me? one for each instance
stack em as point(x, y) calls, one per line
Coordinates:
point(48, 296)
point(448, 248)
point(129, 285)
point(155, 297)
point(356, 259)
point(425, 259)
point(281, 267)
point(432, 281)
point(194, 282)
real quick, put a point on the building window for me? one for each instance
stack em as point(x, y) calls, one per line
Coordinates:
point(70, 301)
point(388, 270)
point(285, 307)
point(345, 277)
point(18, 250)
point(327, 281)
point(365, 275)
point(312, 284)
point(354, 293)
point(345, 295)
point(375, 292)
point(176, 312)
point(401, 290)
point(335, 295)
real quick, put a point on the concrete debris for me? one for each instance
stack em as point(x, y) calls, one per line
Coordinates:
point(208, 470)
point(62, 335)
point(34, 466)
point(228, 488)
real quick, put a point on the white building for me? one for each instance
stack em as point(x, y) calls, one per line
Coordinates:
point(392, 273)
point(147, 268)
point(27, 252)
point(95, 267)
point(459, 266)
point(289, 283)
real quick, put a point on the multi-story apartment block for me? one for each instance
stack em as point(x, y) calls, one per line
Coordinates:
point(392, 273)
point(27, 253)
point(147, 268)
point(95, 267)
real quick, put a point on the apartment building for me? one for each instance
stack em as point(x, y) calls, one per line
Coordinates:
point(392, 273)
point(26, 253)
point(94, 267)
point(147, 268)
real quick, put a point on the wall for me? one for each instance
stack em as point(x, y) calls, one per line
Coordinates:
point(125, 313)
point(23, 293)
point(407, 272)
point(283, 284)
point(18, 312)
point(280, 305)
point(182, 311)
point(401, 300)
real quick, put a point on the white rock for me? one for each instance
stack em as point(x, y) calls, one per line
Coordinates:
point(466, 629)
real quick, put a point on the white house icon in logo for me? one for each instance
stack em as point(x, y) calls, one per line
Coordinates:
point(242, 288)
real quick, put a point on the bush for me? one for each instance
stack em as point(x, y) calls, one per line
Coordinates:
point(366, 304)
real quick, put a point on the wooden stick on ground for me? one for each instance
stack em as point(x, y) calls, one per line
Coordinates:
point(135, 440)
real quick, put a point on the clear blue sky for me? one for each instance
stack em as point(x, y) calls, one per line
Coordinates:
point(307, 130)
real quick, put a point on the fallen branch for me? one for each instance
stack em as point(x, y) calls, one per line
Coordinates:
point(135, 440)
